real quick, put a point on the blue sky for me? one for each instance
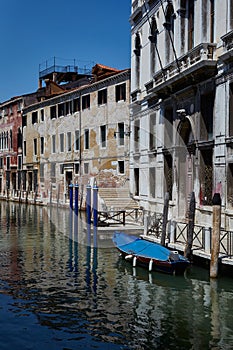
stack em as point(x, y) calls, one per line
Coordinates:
point(91, 31)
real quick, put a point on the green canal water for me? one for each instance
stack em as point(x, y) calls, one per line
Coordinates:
point(56, 292)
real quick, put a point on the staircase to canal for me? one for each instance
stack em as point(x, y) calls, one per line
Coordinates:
point(117, 199)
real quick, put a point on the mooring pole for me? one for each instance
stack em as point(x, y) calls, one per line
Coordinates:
point(95, 204)
point(71, 196)
point(188, 245)
point(88, 213)
point(95, 211)
point(88, 203)
point(76, 212)
point(215, 235)
point(76, 199)
point(165, 214)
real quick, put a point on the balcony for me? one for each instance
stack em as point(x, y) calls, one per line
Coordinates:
point(195, 66)
point(227, 55)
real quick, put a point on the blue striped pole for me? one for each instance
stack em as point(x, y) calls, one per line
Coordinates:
point(95, 212)
point(76, 199)
point(88, 203)
point(95, 204)
point(71, 196)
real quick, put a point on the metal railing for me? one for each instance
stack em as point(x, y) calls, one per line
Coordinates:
point(226, 243)
point(111, 217)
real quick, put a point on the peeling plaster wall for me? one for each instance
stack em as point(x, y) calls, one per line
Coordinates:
point(102, 161)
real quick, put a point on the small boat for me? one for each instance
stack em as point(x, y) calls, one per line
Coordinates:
point(149, 254)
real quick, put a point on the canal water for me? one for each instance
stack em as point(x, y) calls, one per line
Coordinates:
point(57, 292)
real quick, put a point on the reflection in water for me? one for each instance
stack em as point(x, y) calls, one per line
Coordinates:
point(60, 293)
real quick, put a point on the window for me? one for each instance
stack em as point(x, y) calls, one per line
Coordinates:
point(6, 140)
point(19, 138)
point(24, 148)
point(152, 139)
point(34, 117)
point(120, 92)
point(230, 15)
point(42, 172)
point(231, 110)
point(69, 141)
point(206, 176)
point(86, 138)
point(190, 24)
point(53, 172)
point(206, 120)
point(53, 143)
point(121, 133)
point(24, 120)
point(136, 181)
point(42, 115)
point(85, 102)
point(68, 107)
point(42, 145)
point(168, 127)
point(61, 110)
point(77, 104)
point(77, 140)
point(86, 168)
point(137, 52)
point(121, 167)
point(103, 135)
point(35, 146)
point(136, 135)
point(153, 43)
point(8, 163)
point(61, 142)
point(19, 163)
point(152, 182)
point(19, 105)
point(168, 174)
point(53, 112)
point(169, 26)
point(211, 21)
point(11, 140)
point(230, 184)
point(76, 168)
point(102, 97)
point(1, 163)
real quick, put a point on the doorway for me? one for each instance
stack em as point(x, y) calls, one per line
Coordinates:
point(185, 166)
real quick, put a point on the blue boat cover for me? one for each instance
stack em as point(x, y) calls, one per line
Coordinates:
point(134, 245)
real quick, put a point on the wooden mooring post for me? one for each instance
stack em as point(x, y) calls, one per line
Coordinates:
point(188, 245)
point(215, 235)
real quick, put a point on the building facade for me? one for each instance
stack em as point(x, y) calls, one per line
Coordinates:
point(78, 136)
point(181, 111)
point(11, 144)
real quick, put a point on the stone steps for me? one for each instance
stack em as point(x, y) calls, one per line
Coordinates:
point(117, 198)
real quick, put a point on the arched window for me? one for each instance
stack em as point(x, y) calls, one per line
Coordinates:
point(137, 52)
point(153, 43)
point(19, 139)
point(169, 26)
point(11, 140)
point(7, 139)
point(190, 24)
point(211, 21)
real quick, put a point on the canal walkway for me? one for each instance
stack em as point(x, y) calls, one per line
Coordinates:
point(176, 239)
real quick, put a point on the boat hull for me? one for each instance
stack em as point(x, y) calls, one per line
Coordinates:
point(149, 254)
